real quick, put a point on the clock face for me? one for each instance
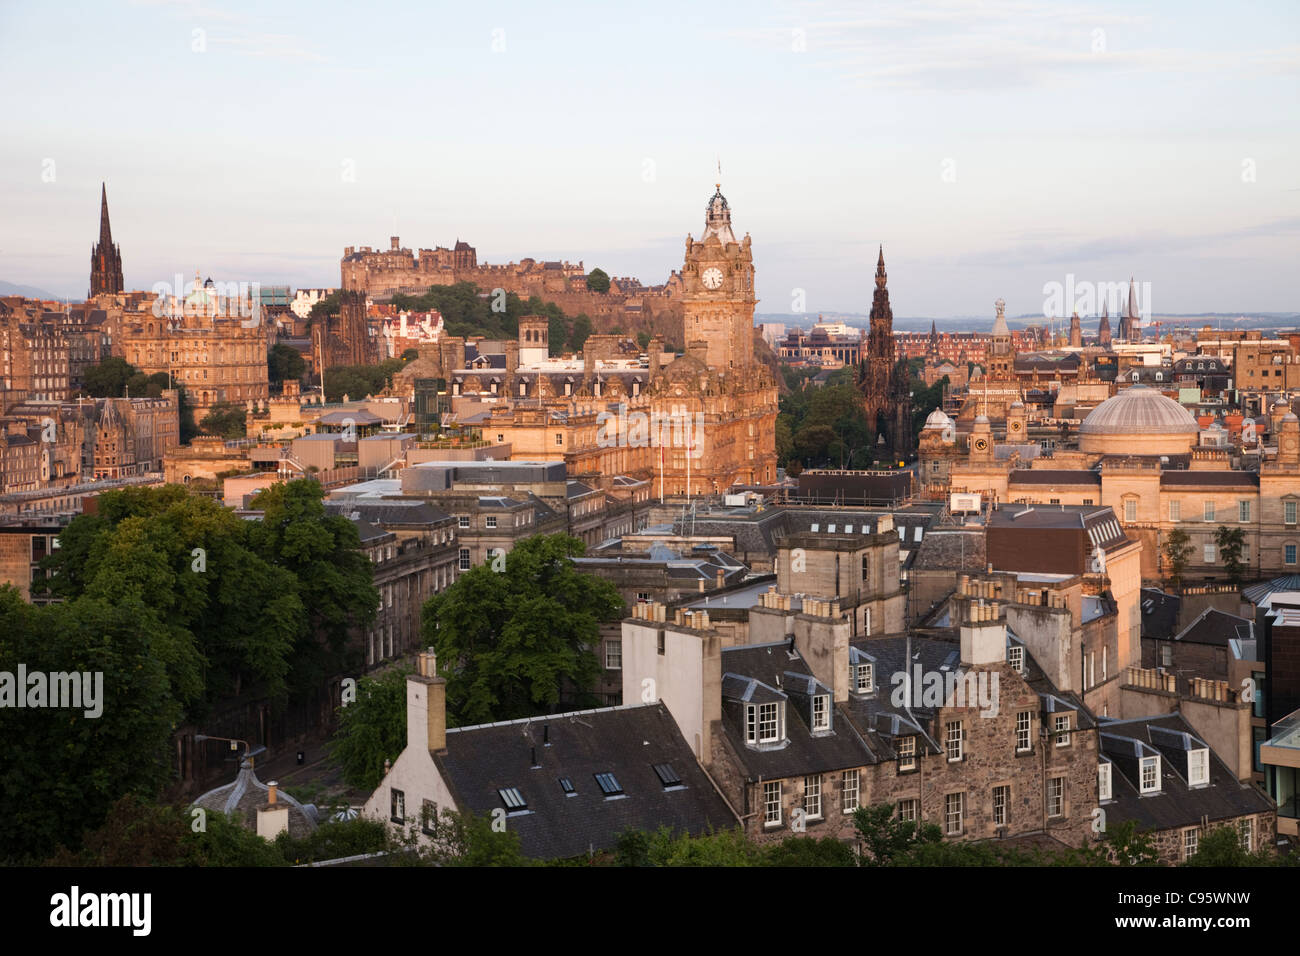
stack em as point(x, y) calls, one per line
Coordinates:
point(712, 278)
point(1015, 426)
point(981, 444)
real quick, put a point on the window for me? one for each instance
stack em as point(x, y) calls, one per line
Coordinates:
point(661, 644)
point(1175, 510)
point(1243, 511)
point(1061, 725)
point(559, 436)
point(1209, 554)
point(952, 740)
point(1191, 839)
point(849, 791)
point(614, 655)
point(1023, 720)
point(1150, 774)
point(907, 811)
point(1089, 501)
point(1016, 658)
point(812, 797)
point(1103, 781)
point(1131, 510)
point(1246, 828)
point(863, 679)
point(398, 811)
point(667, 775)
point(429, 818)
point(1288, 511)
point(953, 807)
point(821, 713)
point(762, 723)
point(609, 784)
point(1056, 796)
point(1209, 511)
point(463, 521)
point(567, 786)
point(1290, 553)
point(492, 521)
point(1001, 797)
point(907, 753)
point(772, 803)
point(464, 559)
point(1166, 655)
point(643, 596)
point(1198, 766)
point(512, 799)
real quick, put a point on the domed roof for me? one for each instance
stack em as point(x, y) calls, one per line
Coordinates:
point(937, 419)
point(1139, 410)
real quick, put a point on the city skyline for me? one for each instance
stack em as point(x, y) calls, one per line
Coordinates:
point(1139, 160)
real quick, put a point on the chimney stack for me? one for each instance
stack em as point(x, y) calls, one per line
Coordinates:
point(426, 705)
point(272, 817)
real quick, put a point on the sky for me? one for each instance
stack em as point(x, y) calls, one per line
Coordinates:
point(993, 148)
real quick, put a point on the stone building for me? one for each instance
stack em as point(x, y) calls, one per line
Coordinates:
point(213, 344)
point(1139, 454)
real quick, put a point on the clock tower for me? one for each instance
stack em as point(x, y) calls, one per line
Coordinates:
point(718, 302)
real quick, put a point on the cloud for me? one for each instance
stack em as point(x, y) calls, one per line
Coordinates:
point(931, 45)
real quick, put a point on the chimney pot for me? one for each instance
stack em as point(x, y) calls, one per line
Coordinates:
point(271, 788)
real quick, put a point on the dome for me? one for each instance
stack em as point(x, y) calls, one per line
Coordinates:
point(1138, 421)
point(937, 419)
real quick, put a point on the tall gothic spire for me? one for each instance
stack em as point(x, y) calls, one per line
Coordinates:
point(105, 257)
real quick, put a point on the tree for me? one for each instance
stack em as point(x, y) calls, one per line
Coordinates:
point(1231, 542)
point(334, 577)
point(1178, 548)
point(515, 640)
point(598, 280)
point(284, 364)
point(643, 340)
point(108, 379)
point(227, 419)
point(886, 837)
point(579, 332)
point(371, 729)
point(1129, 846)
point(463, 839)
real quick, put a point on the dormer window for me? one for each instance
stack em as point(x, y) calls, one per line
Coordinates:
point(763, 723)
point(821, 713)
point(1150, 775)
point(1103, 781)
point(1061, 724)
point(864, 679)
point(1198, 766)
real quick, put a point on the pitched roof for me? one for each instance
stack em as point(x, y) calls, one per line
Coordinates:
point(1215, 627)
point(627, 742)
point(1125, 742)
point(1159, 613)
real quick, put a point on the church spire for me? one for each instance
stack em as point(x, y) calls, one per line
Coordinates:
point(880, 269)
point(105, 257)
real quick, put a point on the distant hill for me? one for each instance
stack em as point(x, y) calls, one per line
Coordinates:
point(965, 323)
point(31, 292)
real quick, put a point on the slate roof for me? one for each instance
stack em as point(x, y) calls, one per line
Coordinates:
point(1177, 804)
point(627, 742)
point(1054, 476)
point(388, 513)
point(1210, 479)
point(1159, 613)
point(768, 670)
point(951, 549)
point(1257, 592)
point(242, 796)
point(1215, 627)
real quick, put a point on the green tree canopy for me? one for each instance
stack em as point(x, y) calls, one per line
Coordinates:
point(518, 642)
point(372, 728)
point(227, 419)
point(598, 280)
point(284, 363)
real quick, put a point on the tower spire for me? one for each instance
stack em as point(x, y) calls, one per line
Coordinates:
point(105, 257)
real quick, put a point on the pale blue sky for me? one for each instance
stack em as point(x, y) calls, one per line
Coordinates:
point(992, 147)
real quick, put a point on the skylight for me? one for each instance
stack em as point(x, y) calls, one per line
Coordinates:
point(567, 786)
point(609, 784)
point(667, 775)
point(513, 799)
